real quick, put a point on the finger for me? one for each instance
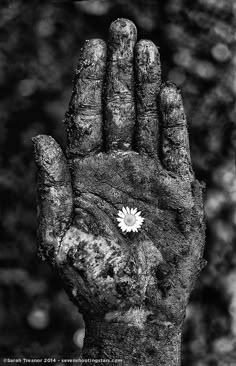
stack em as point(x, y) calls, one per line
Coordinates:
point(54, 194)
point(148, 81)
point(120, 107)
point(175, 142)
point(84, 117)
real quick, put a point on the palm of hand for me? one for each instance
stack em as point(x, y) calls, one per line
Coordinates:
point(103, 269)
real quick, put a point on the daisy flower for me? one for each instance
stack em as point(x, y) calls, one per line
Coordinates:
point(129, 219)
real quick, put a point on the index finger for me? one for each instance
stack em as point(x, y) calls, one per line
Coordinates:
point(84, 117)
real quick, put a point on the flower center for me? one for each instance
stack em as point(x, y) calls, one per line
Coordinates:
point(129, 220)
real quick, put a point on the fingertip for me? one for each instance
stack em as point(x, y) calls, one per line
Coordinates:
point(50, 160)
point(144, 43)
point(169, 89)
point(170, 95)
point(40, 140)
point(122, 39)
point(147, 60)
point(95, 45)
point(93, 58)
point(146, 46)
point(95, 49)
point(45, 148)
point(122, 28)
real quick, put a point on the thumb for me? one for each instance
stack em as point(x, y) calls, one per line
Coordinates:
point(54, 195)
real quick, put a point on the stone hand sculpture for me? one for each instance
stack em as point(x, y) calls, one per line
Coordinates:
point(127, 147)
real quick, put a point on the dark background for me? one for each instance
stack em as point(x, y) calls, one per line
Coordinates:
point(39, 48)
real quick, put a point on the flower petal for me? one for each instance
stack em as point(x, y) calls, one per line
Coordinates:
point(140, 219)
point(124, 210)
point(121, 214)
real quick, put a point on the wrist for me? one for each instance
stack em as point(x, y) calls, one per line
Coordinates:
point(134, 344)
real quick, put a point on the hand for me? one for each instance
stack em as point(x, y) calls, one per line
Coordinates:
point(127, 147)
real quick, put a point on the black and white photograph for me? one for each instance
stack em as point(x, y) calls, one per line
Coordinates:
point(118, 182)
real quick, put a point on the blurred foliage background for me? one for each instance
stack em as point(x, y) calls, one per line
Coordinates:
point(39, 49)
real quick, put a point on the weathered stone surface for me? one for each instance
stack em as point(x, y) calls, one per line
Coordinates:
point(84, 117)
point(132, 288)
